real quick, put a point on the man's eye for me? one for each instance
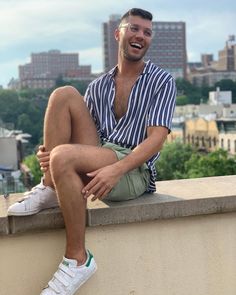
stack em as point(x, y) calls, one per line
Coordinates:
point(134, 29)
point(148, 33)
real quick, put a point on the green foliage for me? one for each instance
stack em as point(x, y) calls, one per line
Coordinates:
point(23, 112)
point(180, 161)
point(195, 95)
point(171, 164)
point(81, 86)
point(191, 92)
point(32, 163)
point(212, 164)
point(181, 100)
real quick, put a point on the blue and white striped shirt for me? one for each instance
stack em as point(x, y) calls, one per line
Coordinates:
point(151, 103)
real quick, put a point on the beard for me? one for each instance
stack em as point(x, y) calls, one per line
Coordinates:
point(133, 57)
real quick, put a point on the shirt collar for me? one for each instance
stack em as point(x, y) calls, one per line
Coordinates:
point(146, 69)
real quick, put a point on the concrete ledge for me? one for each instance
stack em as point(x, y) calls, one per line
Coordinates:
point(177, 198)
point(4, 226)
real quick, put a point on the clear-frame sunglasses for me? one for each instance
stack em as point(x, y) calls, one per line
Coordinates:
point(136, 28)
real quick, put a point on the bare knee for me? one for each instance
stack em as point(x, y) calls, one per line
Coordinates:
point(63, 95)
point(61, 161)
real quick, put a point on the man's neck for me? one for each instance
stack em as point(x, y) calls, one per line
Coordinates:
point(129, 69)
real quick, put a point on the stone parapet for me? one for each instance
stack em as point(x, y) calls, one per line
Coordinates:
point(174, 199)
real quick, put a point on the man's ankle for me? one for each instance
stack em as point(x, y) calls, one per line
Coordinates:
point(49, 183)
point(81, 258)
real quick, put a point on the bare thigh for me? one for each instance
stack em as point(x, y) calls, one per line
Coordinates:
point(81, 158)
point(68, 120)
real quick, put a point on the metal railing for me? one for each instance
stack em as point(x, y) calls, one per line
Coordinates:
point(10, 185)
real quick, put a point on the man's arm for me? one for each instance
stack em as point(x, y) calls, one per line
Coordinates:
point(109, 176)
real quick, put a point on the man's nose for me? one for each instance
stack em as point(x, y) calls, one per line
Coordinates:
point(140, 33)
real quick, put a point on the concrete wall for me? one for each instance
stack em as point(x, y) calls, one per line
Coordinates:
point(186, 256)
point(8, 152)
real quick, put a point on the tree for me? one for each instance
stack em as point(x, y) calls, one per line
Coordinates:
point(178, 161)
point(171, 164)
point(193, 93)
point(216, 163)
point(181, 100)
point(32, 163)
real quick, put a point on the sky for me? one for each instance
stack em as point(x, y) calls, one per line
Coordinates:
point(28, 26)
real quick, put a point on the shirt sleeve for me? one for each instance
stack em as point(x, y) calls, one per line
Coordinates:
point(91, 107)
point(163, 105)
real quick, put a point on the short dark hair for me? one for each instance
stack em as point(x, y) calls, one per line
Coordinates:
point(137, 12)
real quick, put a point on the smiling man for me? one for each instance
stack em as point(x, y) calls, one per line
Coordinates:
point(104, 144)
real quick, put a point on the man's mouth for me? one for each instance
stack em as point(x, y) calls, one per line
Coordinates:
point(136, 45)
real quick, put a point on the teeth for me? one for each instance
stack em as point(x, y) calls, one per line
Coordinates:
point(136, 45)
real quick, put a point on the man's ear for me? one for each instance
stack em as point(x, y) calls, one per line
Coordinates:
point(117, 34)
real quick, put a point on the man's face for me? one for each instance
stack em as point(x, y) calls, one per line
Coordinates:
point(134, 36)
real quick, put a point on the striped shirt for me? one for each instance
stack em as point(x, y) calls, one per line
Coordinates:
point(151, 103)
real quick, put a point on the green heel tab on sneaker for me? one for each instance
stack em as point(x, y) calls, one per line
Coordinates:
point(89, 259)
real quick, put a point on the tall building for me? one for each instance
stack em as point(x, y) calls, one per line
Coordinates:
point(45, 67)
point(206, 60)
point(110, 48)
point(227, 56)
point(168, 48)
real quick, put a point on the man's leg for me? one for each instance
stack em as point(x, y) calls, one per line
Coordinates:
point(67, 120)
point(69, 165)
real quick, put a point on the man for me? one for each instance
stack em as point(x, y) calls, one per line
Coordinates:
point(105, 146)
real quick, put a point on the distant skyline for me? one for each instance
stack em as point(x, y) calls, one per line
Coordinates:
point(76, 26)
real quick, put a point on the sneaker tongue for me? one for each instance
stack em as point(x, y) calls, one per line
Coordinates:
point(69, 262)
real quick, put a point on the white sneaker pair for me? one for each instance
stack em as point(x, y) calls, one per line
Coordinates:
point(40, 197)
point(69, 277)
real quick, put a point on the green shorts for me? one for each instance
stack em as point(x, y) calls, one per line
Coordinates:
point(131, 185)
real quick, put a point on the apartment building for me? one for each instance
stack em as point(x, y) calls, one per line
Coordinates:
point(45, 67)
point(211, 71)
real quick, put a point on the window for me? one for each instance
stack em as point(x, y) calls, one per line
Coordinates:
point(209, 142)
point(228, 145)
point(222, 143)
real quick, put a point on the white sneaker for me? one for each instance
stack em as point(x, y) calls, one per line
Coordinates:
point(40, 197)
point(69, 277)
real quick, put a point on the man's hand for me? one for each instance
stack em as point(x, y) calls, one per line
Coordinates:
point(43, 158)
point(104, 179)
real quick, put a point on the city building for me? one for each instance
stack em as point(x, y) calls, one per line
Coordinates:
point(219, 97)
point(45, 67)
point(206, 60)
point(227, 56)
point(210, 77)
point(201, 133)
point(211, 71)
point(227, 134)
point(110, 47)
point(168, 48)
point(11, 156)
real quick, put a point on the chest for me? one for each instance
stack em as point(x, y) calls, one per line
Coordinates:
point(121, 101)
